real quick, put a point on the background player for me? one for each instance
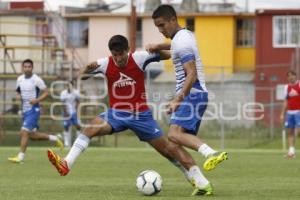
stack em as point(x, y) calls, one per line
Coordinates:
point(28, 88)
point(71, 98)
point(291, 110)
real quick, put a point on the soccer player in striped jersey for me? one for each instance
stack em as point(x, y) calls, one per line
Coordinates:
point(190, 102)
point(291, 110)
point(70, 98)
point(128, 110)
point(29, 87)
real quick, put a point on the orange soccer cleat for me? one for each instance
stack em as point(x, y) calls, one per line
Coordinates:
point(59, 163)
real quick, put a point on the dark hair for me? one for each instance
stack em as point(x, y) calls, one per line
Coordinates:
point(292, 72)
point(165, 11)
point(27, 61)
point(118, 43)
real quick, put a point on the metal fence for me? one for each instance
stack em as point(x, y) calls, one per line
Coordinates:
point(234, 118)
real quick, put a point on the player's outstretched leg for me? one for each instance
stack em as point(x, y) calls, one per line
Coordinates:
point(59, 163)
point(52, 138)
point(213, 160)
point(178, 136)
point(176, 153)
point(63, 165)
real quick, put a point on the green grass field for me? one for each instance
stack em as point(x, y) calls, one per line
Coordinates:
point(110, 174)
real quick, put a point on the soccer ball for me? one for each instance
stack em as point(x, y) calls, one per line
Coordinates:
point(149, 182)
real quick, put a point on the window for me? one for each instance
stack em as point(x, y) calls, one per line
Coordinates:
point(77, 33)
point(139, 33)
point(190, 24)
point(245, 33)
point(286, 31)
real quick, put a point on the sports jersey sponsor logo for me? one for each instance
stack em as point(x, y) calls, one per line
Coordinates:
point(293, 93)
point(124, 81)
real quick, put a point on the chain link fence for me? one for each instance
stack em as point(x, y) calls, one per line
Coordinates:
point(236, 116)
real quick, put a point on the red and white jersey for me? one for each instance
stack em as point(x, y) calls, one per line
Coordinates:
point(292, 92)
point(126, 85)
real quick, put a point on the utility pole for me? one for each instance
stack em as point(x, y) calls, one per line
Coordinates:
point(133, 26)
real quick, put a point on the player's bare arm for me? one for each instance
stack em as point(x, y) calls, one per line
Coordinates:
point(165, 54)
point(65, 109)
point(87, 70)
point(191, 77)
point(41, 98)
point(283, 111)
point(77, 103)
point(18, 96)
point(154, 48)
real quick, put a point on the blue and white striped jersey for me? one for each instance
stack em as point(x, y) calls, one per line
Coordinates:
point(29, 88)
point(183, 49)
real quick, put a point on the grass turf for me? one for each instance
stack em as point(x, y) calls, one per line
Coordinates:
point(110, 173)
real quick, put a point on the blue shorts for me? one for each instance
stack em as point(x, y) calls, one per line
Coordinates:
point(292, 120)
point(72, 120)
point(189, 114)
point(31, 119)
point(142, 123)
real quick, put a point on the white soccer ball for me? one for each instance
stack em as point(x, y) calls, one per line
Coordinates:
point(149, 182)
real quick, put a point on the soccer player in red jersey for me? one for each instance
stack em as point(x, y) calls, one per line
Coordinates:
point(129, 110)
point(291, 110)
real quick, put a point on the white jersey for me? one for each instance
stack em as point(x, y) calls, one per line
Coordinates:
point(29, 88)
point(70, 99)
point(183, 49)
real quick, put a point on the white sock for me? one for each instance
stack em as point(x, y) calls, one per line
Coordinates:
point(205, 150)
point(67, 138)
point(181, 168)
point(80, 144)
point(53, 138)
point(292, 150)
point(198, 177)
point(21, 156)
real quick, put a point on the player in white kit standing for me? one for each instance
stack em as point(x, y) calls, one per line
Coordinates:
point(70, 97)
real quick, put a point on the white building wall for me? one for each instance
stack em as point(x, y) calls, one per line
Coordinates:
point(101, 29)
point(20, 25)
point(150, 32)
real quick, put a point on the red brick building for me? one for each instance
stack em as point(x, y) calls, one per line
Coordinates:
point(34, 5)
point(277, 39)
